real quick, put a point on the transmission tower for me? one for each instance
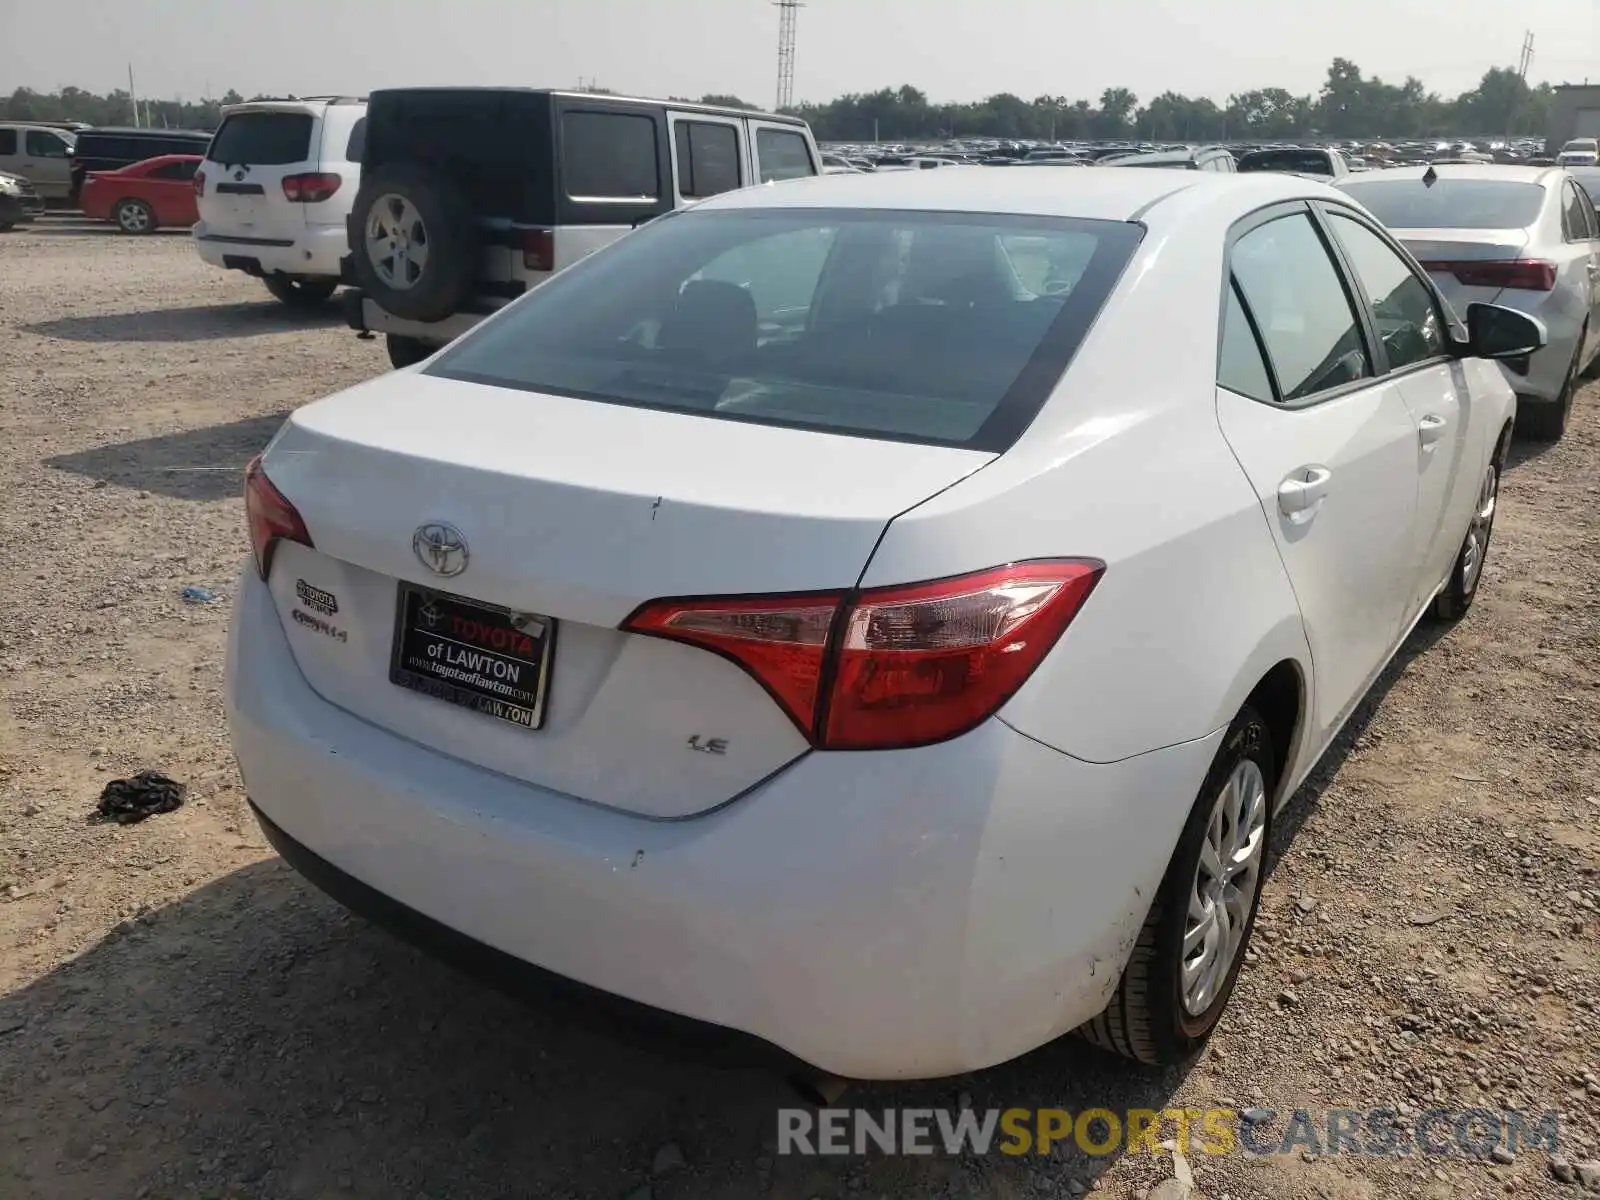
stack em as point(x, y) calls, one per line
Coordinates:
point(787, 9)
point(1526, 60)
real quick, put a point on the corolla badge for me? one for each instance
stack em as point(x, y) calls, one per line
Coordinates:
point(441, 548)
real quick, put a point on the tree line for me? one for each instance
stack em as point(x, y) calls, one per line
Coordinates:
point(1349, 105)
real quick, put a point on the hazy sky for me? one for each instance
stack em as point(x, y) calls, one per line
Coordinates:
point(952, 49)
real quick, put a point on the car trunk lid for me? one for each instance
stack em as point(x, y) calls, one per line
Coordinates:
point(1450, 254)
point(572, 513)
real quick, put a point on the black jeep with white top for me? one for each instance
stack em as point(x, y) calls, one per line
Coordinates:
point(471, 196)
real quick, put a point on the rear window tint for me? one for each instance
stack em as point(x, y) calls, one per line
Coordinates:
point(1306, 162)
point(8, 141)
point(1450, 203)
point(945, 328)
point(609, 156)
point(262, 139)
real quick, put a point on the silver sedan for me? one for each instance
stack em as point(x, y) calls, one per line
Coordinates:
point(1523, 237)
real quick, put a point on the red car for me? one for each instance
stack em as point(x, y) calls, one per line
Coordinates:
point(145, 196)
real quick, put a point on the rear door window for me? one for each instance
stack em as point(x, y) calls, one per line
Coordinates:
point(708, 158)
point(910, 326)
point(783, 154)
point(8, 141)
point(177, 170)
point(262, 139)
point(1575, 219)
point(609, 156)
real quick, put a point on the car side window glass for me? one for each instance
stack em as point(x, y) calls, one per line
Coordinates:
point(708, 158)
point(782, 155)
point(1299, 302)
point(8, 141)
point(609, 156)
point(1573, 227)
point(1240, 366)
point(358, 141)
point(1408, 320)
point(45, 145)
point(1586, 206)
point(178, 170)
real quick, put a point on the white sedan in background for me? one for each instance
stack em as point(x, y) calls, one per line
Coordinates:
point(878, 615)
point(1524, 237)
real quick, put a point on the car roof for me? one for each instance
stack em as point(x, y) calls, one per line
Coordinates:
point(1504, 173)
point(133, 131)
point(1091, 193)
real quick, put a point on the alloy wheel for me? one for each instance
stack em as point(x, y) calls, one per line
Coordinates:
point(397, 241)
point(1224, 887)
point(1477, 547)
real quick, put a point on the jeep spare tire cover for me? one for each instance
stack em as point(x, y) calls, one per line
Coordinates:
point(415, 245)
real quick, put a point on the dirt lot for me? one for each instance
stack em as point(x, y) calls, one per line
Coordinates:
point(181, 1016)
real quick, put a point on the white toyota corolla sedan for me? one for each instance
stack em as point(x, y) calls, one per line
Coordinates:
point(879, 614)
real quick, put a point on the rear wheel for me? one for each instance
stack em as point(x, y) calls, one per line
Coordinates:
point(300, 293)
point(406, 351)
point(1548, 422)
point(1183, 966)
point(134, 216)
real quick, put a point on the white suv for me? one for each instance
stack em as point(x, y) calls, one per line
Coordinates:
point(278, 181)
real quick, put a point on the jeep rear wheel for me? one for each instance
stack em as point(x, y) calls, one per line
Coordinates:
point(416, 251)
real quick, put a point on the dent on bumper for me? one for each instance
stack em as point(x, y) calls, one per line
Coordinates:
point(878, 915)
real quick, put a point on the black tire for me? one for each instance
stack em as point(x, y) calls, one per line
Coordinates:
point(300, 293)
point(406, 351)
point(424, 208)
point(134, 217)
point(1146, 1019)
point(7, 226)
point(1548, 422)
point(1453, 601)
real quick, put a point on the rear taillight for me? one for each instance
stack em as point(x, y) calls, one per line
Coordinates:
point(538, 250)
point(199, 183)
point(311, 187)
point(889, 667)
point(270, 516)
point(1526, 274)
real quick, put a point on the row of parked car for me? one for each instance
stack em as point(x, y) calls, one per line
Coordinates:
point(413, 200)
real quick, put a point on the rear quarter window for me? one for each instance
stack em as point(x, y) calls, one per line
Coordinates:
point(783, 155)
point(609, 156)
point(262, 139)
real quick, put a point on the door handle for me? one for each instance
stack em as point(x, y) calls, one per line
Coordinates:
point(1302, 493)
point(1431, 428)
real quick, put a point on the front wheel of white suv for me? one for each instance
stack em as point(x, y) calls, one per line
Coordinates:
point(1181, 973)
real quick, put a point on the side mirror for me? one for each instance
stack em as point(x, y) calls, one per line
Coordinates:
point(1494, 331)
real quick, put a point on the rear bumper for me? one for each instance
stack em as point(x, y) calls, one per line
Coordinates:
point(878, 915)
point(364, 315)
point(315, 251)
point(18, 209)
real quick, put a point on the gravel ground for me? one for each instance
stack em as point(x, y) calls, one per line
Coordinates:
point(181, 1016)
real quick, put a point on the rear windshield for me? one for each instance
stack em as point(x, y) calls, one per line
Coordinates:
point(1450, 203)
point(262, 139)
point(1306, 162)
point(946, 328)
